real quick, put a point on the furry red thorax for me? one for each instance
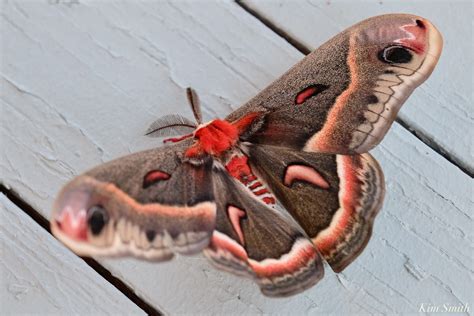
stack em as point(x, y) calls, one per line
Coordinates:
point(218, 136)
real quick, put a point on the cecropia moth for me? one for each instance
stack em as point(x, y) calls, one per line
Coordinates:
point(278, 186)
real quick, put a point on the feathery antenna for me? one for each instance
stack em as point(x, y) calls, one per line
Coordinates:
point(176, 125)
point(194, 102)
point(170, 125)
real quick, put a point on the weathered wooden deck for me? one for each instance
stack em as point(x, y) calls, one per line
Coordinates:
point(81, 80)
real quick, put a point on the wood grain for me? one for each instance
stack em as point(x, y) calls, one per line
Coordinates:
point(82, 81)
point(40, 276)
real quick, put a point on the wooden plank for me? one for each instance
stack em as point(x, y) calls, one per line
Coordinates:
point(40, 276)
point(81, 83)
point(441, 110)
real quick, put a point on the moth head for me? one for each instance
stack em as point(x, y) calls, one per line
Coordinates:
point(399, 44)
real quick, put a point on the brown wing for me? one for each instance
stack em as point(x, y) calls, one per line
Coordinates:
point(254, 240)
point(335, 198)
point(343, 97)
point(150, 204)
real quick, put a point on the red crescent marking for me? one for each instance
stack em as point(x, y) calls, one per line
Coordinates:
point(154, 176)
point(349, 191)
point(305, 173)
point(235, 214)
point(305, 94)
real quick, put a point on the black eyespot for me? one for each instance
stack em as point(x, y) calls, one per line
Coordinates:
point(395, 54)
point(97, 218)
point(150, 235)
point(420, 24)
point(372, 99)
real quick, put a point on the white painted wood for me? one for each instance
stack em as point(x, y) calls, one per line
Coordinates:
point(40, 276)
point(81, 82)
point(443, 107)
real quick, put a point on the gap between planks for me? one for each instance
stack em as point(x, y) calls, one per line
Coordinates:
point(423, 137)
point(15, 198)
